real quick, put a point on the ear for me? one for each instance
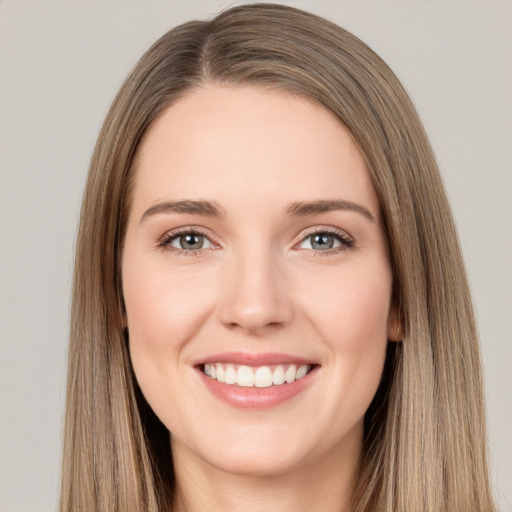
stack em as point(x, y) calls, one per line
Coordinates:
point(395, 330)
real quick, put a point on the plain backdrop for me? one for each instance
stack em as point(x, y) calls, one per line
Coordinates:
point(61, 64)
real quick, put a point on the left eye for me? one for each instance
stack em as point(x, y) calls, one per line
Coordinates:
point(190, 242)
point(322, 242)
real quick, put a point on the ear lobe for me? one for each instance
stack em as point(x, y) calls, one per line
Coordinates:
point(395, 330)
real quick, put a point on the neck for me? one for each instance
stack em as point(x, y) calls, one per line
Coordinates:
point(326, 486)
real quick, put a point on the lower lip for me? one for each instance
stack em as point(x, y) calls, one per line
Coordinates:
point(253, 397)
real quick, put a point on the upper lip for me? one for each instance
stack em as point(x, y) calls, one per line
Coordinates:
point(253, 359)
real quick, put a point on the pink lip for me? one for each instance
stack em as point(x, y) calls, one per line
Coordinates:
point(250, 359)
point(255, 398)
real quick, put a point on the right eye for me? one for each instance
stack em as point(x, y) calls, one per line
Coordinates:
point(190, 242)
point(186, 242)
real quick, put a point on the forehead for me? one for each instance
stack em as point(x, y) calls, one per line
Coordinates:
point(225, 142)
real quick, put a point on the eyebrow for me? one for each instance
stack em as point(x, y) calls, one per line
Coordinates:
point(314, 207)
point(213, 209)
point(206, 208)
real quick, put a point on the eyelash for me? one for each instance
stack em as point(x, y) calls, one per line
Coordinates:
point(168, 238)
point(346, 242)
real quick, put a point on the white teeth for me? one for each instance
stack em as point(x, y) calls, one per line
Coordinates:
point(245, 377)
point(278, 377)
point(301, 372)
point(263, 377)
point(290, 374)
point(230, 375)
point(260, 377)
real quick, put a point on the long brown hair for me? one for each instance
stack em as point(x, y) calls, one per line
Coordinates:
point(425, 444)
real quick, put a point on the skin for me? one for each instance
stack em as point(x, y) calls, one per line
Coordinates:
point(258, 285)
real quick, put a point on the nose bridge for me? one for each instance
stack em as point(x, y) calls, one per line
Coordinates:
point(255, 292)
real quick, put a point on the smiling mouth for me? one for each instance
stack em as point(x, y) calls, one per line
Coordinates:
point(256, 376)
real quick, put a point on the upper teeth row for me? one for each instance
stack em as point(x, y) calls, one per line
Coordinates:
point(260, 376)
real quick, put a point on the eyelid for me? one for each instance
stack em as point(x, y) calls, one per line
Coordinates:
point(346, 240)
point(177, 239)
point(164, 241)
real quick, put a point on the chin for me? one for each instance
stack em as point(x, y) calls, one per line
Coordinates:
point(264, 463)
point(248, 451)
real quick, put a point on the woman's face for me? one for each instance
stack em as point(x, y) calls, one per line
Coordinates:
point(255, 253)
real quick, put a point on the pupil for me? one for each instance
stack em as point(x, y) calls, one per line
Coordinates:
point(322, 242)
point(191, 241)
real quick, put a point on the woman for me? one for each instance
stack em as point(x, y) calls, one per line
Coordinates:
point(270, 306)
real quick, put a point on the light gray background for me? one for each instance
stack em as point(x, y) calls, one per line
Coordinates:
point(60, 65)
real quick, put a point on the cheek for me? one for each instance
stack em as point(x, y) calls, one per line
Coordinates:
point(351, 307)
point(350, 311)
point(164, 308)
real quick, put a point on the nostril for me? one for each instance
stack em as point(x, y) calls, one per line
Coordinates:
point(253, 319)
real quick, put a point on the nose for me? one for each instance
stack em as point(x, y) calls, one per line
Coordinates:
point(255, 296)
